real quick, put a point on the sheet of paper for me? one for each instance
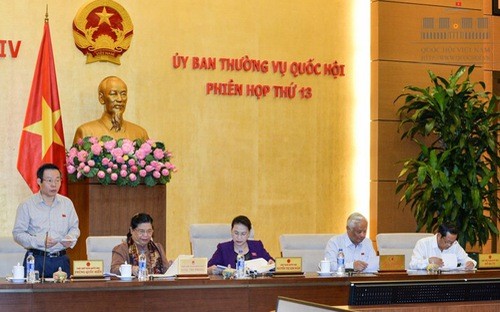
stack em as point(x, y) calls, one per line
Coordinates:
point(450, 261)
point(259, 265)
point(173, 270)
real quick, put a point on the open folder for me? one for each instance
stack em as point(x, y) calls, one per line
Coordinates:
point(173, 270)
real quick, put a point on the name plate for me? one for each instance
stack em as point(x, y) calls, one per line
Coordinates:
point(193, 266)
point(88, 268)
point(288, 265)
point(489, 261)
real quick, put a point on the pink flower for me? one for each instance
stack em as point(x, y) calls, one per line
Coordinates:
point(116, 152)
point(142, 163)
point(93, 140)
point(123, 167)
point(82, 156)
point(110, 145)
point(96, 149)
point(156, 174)
point(115, 166)
point(120, 160)
point(158, 153)
point(109, 170)
point(142, 173)
point(165, 172)
point(134, 169)
point(140, 154)
point(86, 169)
point(101, 174)
point(132, 177)
point(105, 161)
point(91, 163)
point(114, 176)
point(81, 165)
point(127, 147)
point(146, 148)
point(149, 168)
point(131, 162)
point(157, 165)
point(71, 169)
point(123, 173)
point(78, 175)
point(72, 153)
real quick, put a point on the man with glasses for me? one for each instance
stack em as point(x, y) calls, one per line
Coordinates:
point(47, 224)
point(430, 250)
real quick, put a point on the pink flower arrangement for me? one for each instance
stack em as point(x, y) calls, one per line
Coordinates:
point(121, 161)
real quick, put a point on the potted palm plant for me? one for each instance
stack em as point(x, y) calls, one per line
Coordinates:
point(454, 177)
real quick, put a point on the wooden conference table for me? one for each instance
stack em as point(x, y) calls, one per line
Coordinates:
point(215, 294)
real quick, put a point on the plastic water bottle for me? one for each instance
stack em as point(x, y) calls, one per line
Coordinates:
point(142, 274)
point(30, 268)
point(240, 266)
point(340, 262)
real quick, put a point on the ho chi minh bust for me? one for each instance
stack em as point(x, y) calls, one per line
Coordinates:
point(113, 96)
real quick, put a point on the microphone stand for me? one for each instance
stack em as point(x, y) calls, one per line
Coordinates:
point(42, 278)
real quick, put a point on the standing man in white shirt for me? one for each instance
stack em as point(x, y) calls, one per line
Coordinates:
point(46, 223)
point(430, 250)
point(358, 249)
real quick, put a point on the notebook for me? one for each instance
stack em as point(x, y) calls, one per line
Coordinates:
point(392, 263)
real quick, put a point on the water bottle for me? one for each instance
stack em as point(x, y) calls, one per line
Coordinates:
point(30, 268)
point(142, 274)
point(240, 266)
point(340, 262)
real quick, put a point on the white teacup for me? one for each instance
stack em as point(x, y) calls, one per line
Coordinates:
point(18, 272)
point(324, 266)
point(126, 270)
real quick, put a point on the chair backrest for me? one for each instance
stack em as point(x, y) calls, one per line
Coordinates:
point(204, 238)
point(11, 253)
point(399, 244)
point(311, 247)
point(101, 247)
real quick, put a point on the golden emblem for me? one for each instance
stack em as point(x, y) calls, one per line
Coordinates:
point(103, 31)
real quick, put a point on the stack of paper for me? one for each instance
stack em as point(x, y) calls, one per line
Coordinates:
point(259, 265)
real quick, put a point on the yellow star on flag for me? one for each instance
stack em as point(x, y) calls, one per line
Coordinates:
point(46, 127)
point(104, 17)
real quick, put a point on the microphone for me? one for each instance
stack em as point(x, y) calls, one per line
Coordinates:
point(42, 279)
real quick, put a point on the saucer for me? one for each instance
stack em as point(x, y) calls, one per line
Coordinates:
point(324, 273)
point(16, 280)
point(125, 278)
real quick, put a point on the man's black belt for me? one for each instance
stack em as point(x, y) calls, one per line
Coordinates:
point(38, 252)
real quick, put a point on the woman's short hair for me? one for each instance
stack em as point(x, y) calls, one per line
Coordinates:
point(242, 220)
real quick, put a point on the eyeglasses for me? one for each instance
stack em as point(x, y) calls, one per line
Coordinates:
point(142, 232)
point(446, 242)
point(50, 181)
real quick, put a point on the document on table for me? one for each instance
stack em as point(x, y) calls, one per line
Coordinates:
point(259, 265)
point(450, 261)
point(173, 270)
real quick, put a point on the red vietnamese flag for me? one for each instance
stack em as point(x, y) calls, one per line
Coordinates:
point(42, 139)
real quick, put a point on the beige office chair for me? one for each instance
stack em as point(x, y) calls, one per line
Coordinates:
point(311, 247)
point(11, 253)
point(399, 244)
point(101, 247)
point(205, 237)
